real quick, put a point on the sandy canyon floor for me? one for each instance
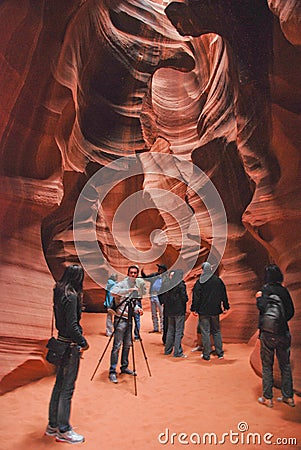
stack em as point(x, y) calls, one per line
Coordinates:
point(185, 403)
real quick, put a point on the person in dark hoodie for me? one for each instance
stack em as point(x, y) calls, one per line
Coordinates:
point(174, 299)
point(208, 295)
point(275, 343)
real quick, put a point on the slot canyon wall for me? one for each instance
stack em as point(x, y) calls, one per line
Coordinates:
point(174, 89)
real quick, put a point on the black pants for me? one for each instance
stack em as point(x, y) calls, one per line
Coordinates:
point(269, 345)
point(165, 325)
point(60, 403)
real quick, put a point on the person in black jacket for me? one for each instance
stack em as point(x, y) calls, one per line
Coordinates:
point(174, 299)
point(67, 305)
point(279, 343)
point(208, 294)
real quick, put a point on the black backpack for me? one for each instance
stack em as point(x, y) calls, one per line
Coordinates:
point(273, 318)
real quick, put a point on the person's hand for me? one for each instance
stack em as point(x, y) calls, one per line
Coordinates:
point(138, 310)
point(258, 294)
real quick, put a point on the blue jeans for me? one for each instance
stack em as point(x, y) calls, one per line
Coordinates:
point(175, 333)
point(122, 336)
point(60, 402)
point(210, 324)
point(156, 306)
point(269, 344)
point(109, 324)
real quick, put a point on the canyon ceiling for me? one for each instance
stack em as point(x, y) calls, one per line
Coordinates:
point(154, 94)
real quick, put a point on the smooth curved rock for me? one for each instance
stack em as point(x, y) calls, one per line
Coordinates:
point(87, 83)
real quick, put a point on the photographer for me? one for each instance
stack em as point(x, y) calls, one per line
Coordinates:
point(122, 322)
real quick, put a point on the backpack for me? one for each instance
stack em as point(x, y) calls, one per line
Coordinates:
point(273, 317)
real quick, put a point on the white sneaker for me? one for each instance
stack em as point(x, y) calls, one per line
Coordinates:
point(266, 401)
point(69, 436)
point(198, 348)
point(289, 401)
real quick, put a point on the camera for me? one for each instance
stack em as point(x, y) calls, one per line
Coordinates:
point(134, 294)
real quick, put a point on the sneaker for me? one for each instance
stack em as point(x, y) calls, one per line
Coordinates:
point(181, 356)
point(266, 401)
point(206, 358)
point(128, 371)
point(289, 401)
point(198, 348)
point(221, 357)
point(51, 431)
point(113, 378)
point(69, 436)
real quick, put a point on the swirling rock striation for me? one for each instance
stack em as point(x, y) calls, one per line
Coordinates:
point(88, 83)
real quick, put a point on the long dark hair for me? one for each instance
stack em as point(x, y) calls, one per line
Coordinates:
point(272, 274)
point(71, 281)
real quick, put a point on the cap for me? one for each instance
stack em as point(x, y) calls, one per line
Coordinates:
point(162, 266)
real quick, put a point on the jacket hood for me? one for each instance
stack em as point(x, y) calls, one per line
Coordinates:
point(207, 272)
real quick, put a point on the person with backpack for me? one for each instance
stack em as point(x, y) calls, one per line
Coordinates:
point(276, 308)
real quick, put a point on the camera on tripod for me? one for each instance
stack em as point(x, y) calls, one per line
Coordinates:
point(134, 295)
point(135, 299)
point(130, 309)
point(132, 299)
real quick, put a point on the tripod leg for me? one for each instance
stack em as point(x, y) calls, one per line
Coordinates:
point(103, 353)
point(134, 365)
point(111, 337)
point(142, 347)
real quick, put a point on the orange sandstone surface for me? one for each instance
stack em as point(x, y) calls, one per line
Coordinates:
point(185, 402)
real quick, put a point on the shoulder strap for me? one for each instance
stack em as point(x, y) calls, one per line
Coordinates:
point(52, 324)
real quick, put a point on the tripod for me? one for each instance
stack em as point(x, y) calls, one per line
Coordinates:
point(129, 303)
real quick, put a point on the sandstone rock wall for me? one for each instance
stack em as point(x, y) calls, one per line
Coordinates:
point(84, 85)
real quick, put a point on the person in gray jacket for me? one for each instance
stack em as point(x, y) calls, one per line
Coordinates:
point(122, 322)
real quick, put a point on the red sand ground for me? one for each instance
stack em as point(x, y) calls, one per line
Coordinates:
point(189, 396)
